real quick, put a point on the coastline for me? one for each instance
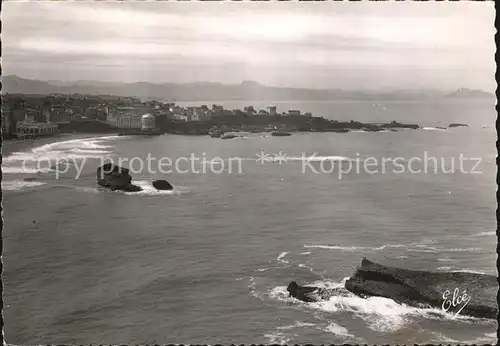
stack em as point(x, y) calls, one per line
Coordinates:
point(9, 147)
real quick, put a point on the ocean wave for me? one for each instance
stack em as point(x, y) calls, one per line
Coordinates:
point(473, 271)
point(312, 158)
point(481, 234)
point(279, 338)
point(280, 257)
point(341, 331)
point(297, 324)
point(429, 128)
point(380, 314)
point(73, 149)
point(90, 151)
point(283, 334)
point(444, 268)
point(24, 170)
point(355, 248)
point(17, 185)
point(408, 247)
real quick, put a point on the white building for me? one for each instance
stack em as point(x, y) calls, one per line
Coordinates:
point(129, 122)
point(148, 122)
point(30, 128)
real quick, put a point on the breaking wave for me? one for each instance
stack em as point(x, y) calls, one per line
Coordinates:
point(17, 185)
point(379, 314)
point(42, 158)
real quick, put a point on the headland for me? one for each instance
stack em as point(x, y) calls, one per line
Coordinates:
point(33, 116)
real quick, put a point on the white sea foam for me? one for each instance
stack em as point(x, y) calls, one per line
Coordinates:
point(24, 170)
point(338, 331)
point(90, 151)
point(408, 247)
point(297, 324)
point(280, 257)
point(44, 156)
point(446, 259)
point(17, 185)
point(428, 128)
point(355, 248)
point(468, 249)
point(279, 338)
point(444, 268)
point(473, 271)
point(380, 314)
point(481, 234)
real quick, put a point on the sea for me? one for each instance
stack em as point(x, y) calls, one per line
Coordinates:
point(209, 262)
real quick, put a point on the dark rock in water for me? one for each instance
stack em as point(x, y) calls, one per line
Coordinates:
point(441, 128)
point(417, 288)
point(458, 125)
point(162, 185)
point(280, 134)
point(132, 188)
point(310, 294)
point(304, 293)
point(115, 178)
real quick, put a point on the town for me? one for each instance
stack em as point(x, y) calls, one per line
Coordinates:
point(28, 116)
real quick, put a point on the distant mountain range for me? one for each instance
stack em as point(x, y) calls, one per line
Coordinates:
point(207, 91)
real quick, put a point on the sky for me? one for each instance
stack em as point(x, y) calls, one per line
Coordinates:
point(348, 45)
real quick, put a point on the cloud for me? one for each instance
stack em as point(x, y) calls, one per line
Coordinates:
point(388, 36)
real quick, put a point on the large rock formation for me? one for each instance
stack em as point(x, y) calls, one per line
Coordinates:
point(162, 185)
point(456, 292)
point(115, 178)
point(458, 125)
point(418, 287)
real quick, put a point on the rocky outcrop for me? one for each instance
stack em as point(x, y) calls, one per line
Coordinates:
point(115, 178)
point(458, 125)
point(418, 287)
point(162, 185)
point(456, 292)
point(280, 134)
point(310, 294)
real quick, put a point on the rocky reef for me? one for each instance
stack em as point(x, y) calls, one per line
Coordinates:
point(456, 292)
point(162, 185)
point(458, 125)
point(116, 178)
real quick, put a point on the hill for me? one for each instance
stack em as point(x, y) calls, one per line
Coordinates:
point(206, 91)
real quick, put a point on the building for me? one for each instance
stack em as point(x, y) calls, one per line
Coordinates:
point(129, 122)
point(249, 110)
point(148, 122)
point(217, 110)
point(10, 118)
point(294, 112)
point(31, 128)
point(272, 110)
